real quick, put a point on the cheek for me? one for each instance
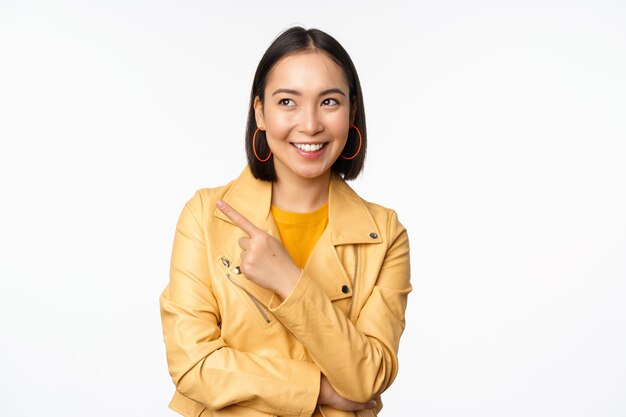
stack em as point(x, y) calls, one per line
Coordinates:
point(277, 124)
point(340, 128)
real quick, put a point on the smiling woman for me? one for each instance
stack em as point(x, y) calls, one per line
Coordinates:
point(287, 290)
point(305, 125)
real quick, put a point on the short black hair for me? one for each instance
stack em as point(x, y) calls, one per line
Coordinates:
point(293, 40)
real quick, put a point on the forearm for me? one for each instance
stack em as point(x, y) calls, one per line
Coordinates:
point(208, 371)
point(271, 385)
point(357, 365)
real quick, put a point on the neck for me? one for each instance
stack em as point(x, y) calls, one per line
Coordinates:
point(301, 195)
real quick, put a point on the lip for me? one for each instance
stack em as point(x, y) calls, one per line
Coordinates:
point(308, 143)
point(309, 155)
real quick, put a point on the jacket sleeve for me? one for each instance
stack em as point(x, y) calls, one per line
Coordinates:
point(360, 360)
point(202, 366)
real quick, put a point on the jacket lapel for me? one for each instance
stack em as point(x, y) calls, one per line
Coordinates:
point(349, 219)
point(252, 198)
point(349, 223)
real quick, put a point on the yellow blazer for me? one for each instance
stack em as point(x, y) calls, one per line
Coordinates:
point(237, 349)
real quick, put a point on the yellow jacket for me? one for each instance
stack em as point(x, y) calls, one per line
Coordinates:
point(236, 349)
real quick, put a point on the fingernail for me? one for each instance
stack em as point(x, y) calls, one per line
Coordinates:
point(220, 204)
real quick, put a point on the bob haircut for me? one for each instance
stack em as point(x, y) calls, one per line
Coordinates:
point(294, 40)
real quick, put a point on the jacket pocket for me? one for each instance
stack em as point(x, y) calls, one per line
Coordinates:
point(231, 272)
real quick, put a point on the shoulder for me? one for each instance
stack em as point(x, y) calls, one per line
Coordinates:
point(386, 218)
point(203, 200)
point(379, 211)
point(239, 193)
point(356, 213)
point(381, 214)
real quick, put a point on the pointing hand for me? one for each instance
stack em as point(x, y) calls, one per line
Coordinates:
point(264, 260)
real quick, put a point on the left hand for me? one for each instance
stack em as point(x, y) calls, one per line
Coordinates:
point(329, 396)
point(264, 260)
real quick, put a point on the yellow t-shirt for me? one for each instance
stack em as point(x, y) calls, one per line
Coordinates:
point(299, 232)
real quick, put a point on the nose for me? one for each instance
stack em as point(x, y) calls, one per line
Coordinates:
point(311, 122)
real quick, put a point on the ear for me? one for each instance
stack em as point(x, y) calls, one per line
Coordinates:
point(353, 110)
point(258, 113)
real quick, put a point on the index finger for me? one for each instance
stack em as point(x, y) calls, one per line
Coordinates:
point(237, 218)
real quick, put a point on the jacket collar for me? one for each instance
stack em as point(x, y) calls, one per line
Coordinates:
point(349, 219)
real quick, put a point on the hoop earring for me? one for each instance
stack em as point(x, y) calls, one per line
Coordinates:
point(360, 144)
point(254, 148)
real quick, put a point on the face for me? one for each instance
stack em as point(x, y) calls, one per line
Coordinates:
point(305, 115)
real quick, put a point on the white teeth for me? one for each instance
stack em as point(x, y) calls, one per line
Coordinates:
point(308, 147)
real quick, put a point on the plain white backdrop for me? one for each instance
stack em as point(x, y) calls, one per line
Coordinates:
point(497, 131)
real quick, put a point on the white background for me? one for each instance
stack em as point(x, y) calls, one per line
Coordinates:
point(497, 132)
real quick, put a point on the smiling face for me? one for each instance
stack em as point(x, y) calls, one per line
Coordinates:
point(305, 114)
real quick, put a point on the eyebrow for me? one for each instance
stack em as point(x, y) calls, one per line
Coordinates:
point(297, 93)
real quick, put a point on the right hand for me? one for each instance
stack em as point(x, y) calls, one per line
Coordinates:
point(328, 396)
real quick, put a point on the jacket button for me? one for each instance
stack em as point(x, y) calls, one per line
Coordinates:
point(226, 262)
point(373, 235)
point(237, 270)
point(345, 289)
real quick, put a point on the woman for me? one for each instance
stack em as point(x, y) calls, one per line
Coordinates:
point(287, 291)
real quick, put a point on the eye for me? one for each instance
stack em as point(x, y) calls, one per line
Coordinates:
point(330, 102)
point(285, 102)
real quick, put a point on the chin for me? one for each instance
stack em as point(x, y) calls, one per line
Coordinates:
point(311, 173)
